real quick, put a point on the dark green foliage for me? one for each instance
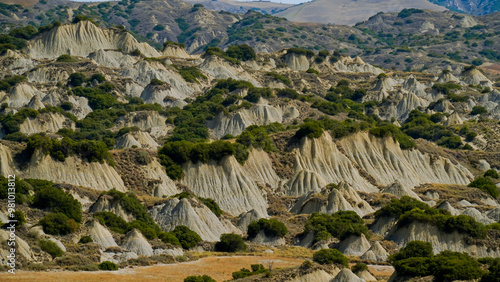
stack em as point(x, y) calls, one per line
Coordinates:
point(79, 18)
point(241, 52)
point(51, 248)
point(230, 243)
point(112, 221)
point(26, 32)
point(11, 123)
point(491, 173)
point(408, 12)
point(212, 205)
point(7, 83)
point(493, 274)
point(486, 185)
point(288, 93)
point(300, 51)
point(280, 77)
point(159, 27)
point(77, 79)
point(341, 225)
point(470, 136)
point(255, 93)
point(191, 74)
point(215, 51)
point(66, 59)
point(244, 272)
point(99, 97)
point(312, 71)
point(256, 137)
point(405, 142)
point(420, 125)
point(58, 224)
point(186, 236)
point(359, 267)
point(19, 217)
point(107, 265)
point(200, 278)
point(309, 129)
point(397, 207)
point(99, 78)
point(330, 256)
point(477, 110)
point(417, 259)
point(271, 227)
point(85, 240)
point(58, 201)
point(156, 82)
point(169, 238)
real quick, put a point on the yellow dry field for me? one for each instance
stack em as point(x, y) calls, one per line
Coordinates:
point(219, 268)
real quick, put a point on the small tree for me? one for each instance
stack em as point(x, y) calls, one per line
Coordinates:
point(199, 278)
point(187, 237)
point(107, 265)
point(330, 256)
point(51, 248)
point(230, 243)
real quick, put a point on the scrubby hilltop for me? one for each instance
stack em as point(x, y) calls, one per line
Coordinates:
point(138, 156)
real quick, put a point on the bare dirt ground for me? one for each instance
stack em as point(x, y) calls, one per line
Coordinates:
point(219, 268)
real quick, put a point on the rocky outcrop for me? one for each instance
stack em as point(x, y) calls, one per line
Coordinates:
point(346, 275)
point(355, 65)
point(136, 242)
point(385, 83)
point(6, 162)
point(176, 51)
point(150, 121)
point(139, 139)
point(106, 203)
point(386, 162)
point(21, 95)
point(316, 276)
point(399, 190)
point(46, 122)
point(22, 248)
point(297, 62)
point(440, 240)
point(228, 183)
point(246, 218)
point(193, 214)
point(100, 234)
point(473, 76)
point(305, 182)
point(263, 239)
point(412, 85)
point(222, 69)
point(354, 245)
point(113, 59)
point(447, 77)
point(73, 170)
point(83, 38)
point(376, 253)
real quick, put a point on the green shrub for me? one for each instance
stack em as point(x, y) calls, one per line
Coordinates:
point(491, 173)
point(359, 267)
point(271, 227)
point(451, 266)
point(279, 77)
point(169, 238)
point(199, 278)
point(397, 207)
point(486, 185)
point(85, 240)
point(341, 225)
point(287, 93)
point(112, 221)
point(405, 142)
point(65, 59)
point(108, 266)
point(58, 201)
point(191, 74)
point(186, 236)
point(99, 97)
point(300, 51)
point(330, 256)
point(241, 52)
point(19, 217)
point(51, 248)
point(212, 205)
point(309, 129)
point(408, 12)
point(58, 224)
point(477, 110)
point(230, 243)
point(77, 79)
point(470, 136)
point(493, 271)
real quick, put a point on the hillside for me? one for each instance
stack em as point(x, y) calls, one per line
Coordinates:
point(474, 7)
point(128, 156)
point(348, 12)
point(242, 7)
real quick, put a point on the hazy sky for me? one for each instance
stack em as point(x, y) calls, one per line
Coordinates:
point(284, 1)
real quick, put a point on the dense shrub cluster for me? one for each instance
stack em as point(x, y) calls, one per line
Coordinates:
point(340, 225)
point(187, 237)
point(8, 83)
point(57, 201)
point(107, 265)
point(208, 202)
point(216, 51)
point(58, 224)
point(280, 77)
point(191, 74)
point(386, 130)
point(99, 97)
point(199, 278)
point(241, 52)
point(271, 228)
point(486, 185)
point(22, 189)
point(409, 210)
point(330, 256)
point(244, 272)
point(417, 259)
point(300, 51)
point(420, 125)
point(230, 243)
point(51, 248)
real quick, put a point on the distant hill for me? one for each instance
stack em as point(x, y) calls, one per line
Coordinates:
point(349, 12)
point(474, 7)
point(242, 7)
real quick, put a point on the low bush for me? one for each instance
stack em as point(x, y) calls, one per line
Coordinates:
point(187, 237)
point(51, 248)
point(169, 238)
point(58, 201)
point(58, 224)
point(112, 221)
point(279, 77)
point(359, 267)
point(491, 173)
point(108, 266)
point(199, 278)
point(271, 228)
point(85, 240)
point(330, 256)
point(230, 243)
point(310, 129)
point(340, 225)
point(486, 185)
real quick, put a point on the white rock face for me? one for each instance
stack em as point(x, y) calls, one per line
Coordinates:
point(197, 217)
point(136, 242)
point(474, 77)
point(366, 275)
point(304, 182)
point(6, 162)
point(58, 243)
point(140, 139)
point(262, 239)
point(322, 156)
point(22, 248)
point(447, 77)
point(356, 65)
point(175, 51)
point(74, 171)
point(375, 253)
point(399, 190)
point(101, 235)
point(346, 275)
point(354, 245)
point(165, 186)
point(113, 59)
point(228, 183)
point(21, 95)
point(385, 84)
point(383, 159)
point(46, 122)
point(297, 62)
point(315, 276)
point(440, 240)
point(84, 38)
point(222, 69)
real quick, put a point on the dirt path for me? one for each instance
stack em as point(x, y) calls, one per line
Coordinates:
point(219, 268)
